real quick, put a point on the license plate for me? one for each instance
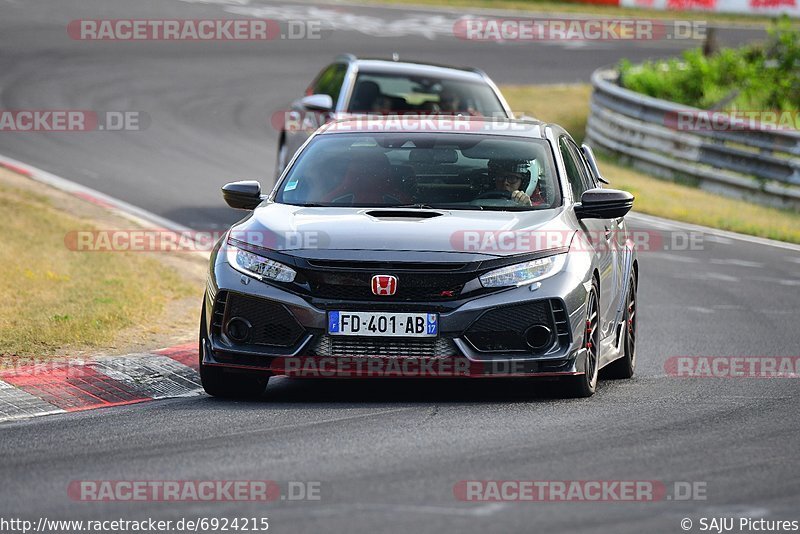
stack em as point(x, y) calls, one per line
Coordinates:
point(348, 323)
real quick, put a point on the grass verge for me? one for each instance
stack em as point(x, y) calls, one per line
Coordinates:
point(58, 301)
point(568, 105)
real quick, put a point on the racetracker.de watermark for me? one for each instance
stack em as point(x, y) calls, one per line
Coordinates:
point(732, 121)
point(72, 120)
point(414, 122)
point(521, 241)
point(193, 490)
point(192, 29)
point(562, 29)
point(309, 120)
point(24, 367)
point(578, 490)
point(733, 366)
point(158, 240)
point(400, 366)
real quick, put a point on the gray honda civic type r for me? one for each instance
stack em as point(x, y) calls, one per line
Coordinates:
point(436, 247)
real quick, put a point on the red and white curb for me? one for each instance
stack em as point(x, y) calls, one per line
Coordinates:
point(74, 385)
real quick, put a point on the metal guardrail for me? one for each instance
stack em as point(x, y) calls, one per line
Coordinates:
point(761, 166)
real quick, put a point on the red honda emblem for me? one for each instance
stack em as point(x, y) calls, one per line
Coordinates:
point(384, 284)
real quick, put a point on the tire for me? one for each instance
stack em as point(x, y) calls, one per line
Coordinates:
point(585, 385)
point(219, 382)
point(625, 367)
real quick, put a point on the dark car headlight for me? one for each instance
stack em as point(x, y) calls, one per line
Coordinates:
point(259, 267)
point(521, 274)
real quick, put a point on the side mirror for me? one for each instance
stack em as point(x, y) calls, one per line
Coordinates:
point(245, 195)
point(604, 204)
point(317, 102)
point(588, 153)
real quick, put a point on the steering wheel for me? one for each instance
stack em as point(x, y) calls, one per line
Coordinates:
point(495, 194)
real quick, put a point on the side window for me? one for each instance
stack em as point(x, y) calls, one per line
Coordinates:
point(575, 175)
point(329, 81)
point(583, 166)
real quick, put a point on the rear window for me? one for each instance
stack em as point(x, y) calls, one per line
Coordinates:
point(385, 93)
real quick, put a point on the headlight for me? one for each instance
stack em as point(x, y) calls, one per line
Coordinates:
point(258, 266)
point(524, 273)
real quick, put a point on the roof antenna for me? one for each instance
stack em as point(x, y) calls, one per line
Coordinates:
point(395, 56)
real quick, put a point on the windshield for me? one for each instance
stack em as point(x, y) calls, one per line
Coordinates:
point(439, 170)
point(386, 93)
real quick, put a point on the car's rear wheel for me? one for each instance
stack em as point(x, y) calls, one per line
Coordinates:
point(586, 384)
point(624, 367)
point(220, 382)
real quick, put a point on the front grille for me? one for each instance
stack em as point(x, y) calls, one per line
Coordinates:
point(347, 346)
point(411, 287)
point(271, 323)
point(503, 329)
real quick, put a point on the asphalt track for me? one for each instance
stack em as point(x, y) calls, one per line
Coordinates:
point(388, 454)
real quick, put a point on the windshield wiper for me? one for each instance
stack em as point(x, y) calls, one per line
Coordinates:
point(509, 208)
point(438, 207)
point(416, 206)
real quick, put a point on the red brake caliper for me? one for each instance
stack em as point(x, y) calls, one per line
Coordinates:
point(630, 319)
point(588, 335)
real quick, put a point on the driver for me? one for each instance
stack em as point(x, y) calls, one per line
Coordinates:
point(451, 100)
point(512, 176)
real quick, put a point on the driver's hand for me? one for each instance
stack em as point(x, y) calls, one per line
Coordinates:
point(521, 198)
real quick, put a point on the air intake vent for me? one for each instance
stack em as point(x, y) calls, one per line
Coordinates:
point(561, 321)
point(218, 313)
point(413, 215)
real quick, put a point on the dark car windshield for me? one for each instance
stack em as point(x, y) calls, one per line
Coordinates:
point(423, 169)
point(385, 93)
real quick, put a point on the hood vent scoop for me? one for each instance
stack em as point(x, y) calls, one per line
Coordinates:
point(413, 215)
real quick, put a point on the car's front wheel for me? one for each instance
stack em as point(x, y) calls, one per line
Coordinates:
point(221, 382)
point(586, 384)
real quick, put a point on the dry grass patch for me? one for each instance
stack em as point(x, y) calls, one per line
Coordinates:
point(58, 301)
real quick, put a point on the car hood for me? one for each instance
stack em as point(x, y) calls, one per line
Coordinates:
point(309, 231)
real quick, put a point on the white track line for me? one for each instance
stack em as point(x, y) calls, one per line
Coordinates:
point(658, 221)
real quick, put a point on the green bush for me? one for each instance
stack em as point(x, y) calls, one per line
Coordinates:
point(765, 76)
